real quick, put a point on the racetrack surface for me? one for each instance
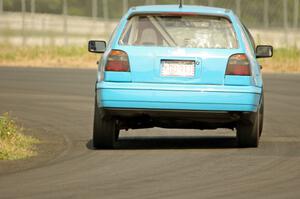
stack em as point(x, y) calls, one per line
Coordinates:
point(56, 105)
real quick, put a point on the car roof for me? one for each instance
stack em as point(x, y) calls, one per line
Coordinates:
point(175, 8)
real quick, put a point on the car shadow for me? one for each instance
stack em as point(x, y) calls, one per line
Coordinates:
point(173, 142)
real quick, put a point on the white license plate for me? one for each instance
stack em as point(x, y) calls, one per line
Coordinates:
point(178, 68)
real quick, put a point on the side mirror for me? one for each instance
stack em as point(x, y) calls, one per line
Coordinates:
point(97, 46)
point(264, 51)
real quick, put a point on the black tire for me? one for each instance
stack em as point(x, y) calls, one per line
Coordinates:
point(248, 130)
point(261, 116)
point(106, 131)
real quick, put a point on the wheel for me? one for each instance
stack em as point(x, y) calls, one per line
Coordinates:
point(106, 131)
point(261, 116)
point(248, 130)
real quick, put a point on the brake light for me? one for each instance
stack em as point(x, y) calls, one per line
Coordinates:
point(117, 61)
point(238, 64)
point(180, 14)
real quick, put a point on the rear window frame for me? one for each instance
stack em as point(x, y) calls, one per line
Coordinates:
point(226, 17)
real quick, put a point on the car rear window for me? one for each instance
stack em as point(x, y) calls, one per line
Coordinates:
point(187, 31)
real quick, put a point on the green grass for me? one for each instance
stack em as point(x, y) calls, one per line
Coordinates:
point(291, 53)
point(284, 60)
point(9, 52)
point(47, 56)
point(13, 143)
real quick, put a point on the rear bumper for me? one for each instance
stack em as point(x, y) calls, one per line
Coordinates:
point(178, 97)
point(203, 116)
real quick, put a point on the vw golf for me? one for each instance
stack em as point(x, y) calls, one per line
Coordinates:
point(171, 66)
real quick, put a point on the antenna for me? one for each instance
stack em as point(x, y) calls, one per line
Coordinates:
point(180, 3)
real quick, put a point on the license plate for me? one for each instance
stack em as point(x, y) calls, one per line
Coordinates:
point(178, 68)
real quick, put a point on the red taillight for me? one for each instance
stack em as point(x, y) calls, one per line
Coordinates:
point(238, 64)
point(117, 61)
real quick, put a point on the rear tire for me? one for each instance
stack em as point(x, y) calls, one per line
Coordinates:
point(248, 130)
point(106, 131)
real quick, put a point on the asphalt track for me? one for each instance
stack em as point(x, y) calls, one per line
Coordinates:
point(56, 106)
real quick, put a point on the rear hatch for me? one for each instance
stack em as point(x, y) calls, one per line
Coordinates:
point(185, 48)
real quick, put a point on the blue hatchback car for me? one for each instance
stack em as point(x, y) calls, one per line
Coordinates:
point(168, 66)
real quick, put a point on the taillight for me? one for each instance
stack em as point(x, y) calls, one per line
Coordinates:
point(117, 61)
point(238, 64)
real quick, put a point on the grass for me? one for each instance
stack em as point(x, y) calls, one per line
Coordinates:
point(13, 143)
point(47, 56)
point(284, 59)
